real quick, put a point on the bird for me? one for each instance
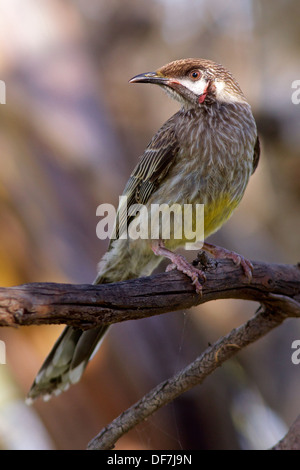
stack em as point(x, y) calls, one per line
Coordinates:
point(205, 153)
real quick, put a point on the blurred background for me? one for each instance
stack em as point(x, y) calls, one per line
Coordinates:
point(71, 131)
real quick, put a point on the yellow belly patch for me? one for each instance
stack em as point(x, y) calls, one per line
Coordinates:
point(217, 213)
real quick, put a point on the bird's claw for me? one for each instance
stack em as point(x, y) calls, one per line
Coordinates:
point(246, 265)
point(182, 265)
point(239, 260)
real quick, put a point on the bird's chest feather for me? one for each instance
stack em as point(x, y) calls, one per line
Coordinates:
point(214, 162)
point(212, 167)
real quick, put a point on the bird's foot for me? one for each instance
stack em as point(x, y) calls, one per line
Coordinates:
point(181, 264)
point(239, 260)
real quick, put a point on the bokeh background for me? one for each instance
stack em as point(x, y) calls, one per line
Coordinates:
point(71, 131)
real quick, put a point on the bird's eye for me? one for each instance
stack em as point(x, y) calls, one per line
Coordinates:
point(195, 75)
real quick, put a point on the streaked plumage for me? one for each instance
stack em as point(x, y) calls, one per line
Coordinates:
point(205, 153)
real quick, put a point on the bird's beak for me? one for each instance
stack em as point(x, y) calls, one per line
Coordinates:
point(150, 77)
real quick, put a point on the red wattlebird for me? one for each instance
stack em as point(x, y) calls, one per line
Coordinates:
point(204, 154)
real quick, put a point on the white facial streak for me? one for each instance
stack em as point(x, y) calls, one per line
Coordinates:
point(197, 87)
point(223, 92)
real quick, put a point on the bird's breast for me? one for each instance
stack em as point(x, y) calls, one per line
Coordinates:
point(212, 167)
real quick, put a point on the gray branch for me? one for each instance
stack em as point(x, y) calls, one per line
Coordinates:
point(88, 306)
point(291, 441)
point(194, 374)
point(275, 286)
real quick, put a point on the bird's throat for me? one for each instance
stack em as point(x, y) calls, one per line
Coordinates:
point(202, 97)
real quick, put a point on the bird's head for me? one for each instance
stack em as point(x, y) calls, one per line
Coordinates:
point(195, 82)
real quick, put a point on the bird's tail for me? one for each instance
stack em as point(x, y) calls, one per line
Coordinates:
point(74, 348)
point(66, 362)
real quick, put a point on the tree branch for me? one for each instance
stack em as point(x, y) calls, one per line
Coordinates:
point(275, 286)
point(194, 374)
point(87, 306)
point(291, 441)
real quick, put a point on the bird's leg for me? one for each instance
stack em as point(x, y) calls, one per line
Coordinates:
point(239, 260)
point(180, 263)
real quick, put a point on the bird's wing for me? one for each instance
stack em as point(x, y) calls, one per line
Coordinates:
point(256, 154)
point(151, 169)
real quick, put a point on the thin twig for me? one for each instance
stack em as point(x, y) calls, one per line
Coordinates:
point(194, 374)
point(291, 441)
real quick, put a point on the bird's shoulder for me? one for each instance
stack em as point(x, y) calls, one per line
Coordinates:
point(154, 164)
point(151, 169)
